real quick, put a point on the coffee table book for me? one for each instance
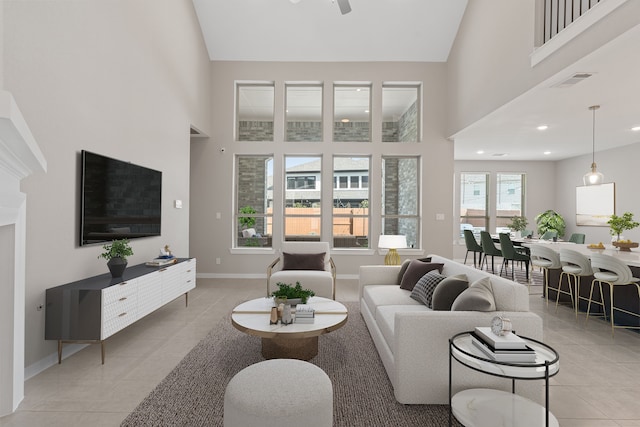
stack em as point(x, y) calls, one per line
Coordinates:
point(500, 342)
point(526, 355)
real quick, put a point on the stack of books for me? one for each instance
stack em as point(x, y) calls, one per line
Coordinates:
point(305, 313)
point(162, 260)
point(508, 348)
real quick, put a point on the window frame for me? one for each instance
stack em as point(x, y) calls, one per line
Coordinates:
point(484, 217)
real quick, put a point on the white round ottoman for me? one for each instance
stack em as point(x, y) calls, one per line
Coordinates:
point(279, 393)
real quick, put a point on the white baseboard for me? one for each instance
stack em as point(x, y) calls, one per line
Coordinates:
point(52, 359)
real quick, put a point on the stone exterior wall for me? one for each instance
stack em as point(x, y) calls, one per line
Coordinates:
point(391, 201)
point(255, 131)
point(304, 131)
point(408, 125)
point(351, 131)
point(252, 183)
point(390, 131)
point(407, 199)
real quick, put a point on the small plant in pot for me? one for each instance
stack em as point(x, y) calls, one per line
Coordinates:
point(518, 224)
point(617, 224)
point(289, 294)
point(116, 254)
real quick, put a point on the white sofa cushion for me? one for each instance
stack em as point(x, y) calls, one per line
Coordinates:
point(378, 295)
point(386, 317)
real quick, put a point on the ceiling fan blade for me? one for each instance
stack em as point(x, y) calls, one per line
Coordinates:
point(344, 5)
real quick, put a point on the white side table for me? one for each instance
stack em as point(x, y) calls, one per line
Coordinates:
point(482, 407)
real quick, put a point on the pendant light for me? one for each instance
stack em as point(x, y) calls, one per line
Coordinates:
point(594, 177)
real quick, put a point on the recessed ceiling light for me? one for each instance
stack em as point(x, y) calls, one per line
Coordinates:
point(480, 152)
point(635, 128)
point(345, 120)
point(543, 127)
point(546, 153)
point(366, 111)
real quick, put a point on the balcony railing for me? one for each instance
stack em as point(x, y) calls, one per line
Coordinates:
point(558, 14)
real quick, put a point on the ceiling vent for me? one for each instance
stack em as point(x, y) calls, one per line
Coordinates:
point(574, 79)
point(498, 154)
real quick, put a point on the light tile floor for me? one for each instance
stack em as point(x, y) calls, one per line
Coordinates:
point(598, 383)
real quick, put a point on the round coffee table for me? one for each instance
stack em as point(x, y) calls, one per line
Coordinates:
point(294, 341)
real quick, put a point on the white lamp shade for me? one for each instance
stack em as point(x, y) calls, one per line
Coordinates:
point(391, 241)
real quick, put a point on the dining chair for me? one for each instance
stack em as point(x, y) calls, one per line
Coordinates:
point(577, 238)
point(549, 235)
point(488, 249)
point(574, 265)
point(615, 273)
point(509, 253)
point(472, 246)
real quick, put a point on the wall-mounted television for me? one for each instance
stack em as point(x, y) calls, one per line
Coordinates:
point(119, 200)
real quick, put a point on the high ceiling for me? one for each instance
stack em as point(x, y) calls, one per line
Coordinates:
point(315, 30)
point(396, 30)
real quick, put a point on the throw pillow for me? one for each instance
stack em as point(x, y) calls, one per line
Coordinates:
point(478, 297)
point(403, 269)
point(415, 271)
point(423, 290)
point(303, 261)
point(448, 290)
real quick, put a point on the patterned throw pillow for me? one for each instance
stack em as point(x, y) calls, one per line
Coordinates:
point(423, 290)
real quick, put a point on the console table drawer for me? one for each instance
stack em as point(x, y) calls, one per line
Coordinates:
point(117, 292)
point(118, 315)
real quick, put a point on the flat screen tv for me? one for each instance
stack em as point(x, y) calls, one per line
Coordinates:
point(119, 200)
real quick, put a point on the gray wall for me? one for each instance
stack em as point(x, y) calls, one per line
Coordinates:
point(212, 170)
point(124, 79)
point(489, 64)
point(619, 165)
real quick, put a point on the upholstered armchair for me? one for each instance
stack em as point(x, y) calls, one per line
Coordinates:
point(309, 263)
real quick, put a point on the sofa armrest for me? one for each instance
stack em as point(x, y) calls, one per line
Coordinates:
point(377, 275)
point(421, 349)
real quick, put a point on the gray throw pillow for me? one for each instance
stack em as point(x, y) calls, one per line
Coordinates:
point(448, 290)
point(423, 290)
point(415, 271)
point(403, 268)
point(303, 261)
point(478, 297)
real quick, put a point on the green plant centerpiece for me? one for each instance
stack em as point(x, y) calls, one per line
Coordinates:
point(518, 223)
point(550, 220)
point(116, 254)
point(286, 293)
point(617, 224)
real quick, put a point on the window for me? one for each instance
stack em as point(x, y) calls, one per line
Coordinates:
point(254, 112)
point(254, 216)
point(350, 203)
point(400, 113)
point(474, 202)
point(352, 113)
point(509, 199)
point(401, 198)
point(302, 205)
point(301, 183)
point(303, 112)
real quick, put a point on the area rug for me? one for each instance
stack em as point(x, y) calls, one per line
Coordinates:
point(193, 393)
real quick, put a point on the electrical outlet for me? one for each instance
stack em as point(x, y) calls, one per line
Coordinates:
point(218, 261)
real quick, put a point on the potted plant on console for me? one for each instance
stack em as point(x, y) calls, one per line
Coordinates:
point(617, 225)
point(116, 254)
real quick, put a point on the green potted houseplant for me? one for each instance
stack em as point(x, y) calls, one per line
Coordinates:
point(291, 294)
point(518, 224)
point(550, 220)
point(116, 254)
point(617, 224)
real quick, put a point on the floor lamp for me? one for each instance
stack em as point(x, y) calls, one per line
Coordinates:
point(392, 243)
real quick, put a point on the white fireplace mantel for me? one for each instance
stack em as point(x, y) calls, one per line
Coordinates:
point(20, 157)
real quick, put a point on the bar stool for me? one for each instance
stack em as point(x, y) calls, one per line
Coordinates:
point(612, 271)
point(547, 259)
point(574, 265)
